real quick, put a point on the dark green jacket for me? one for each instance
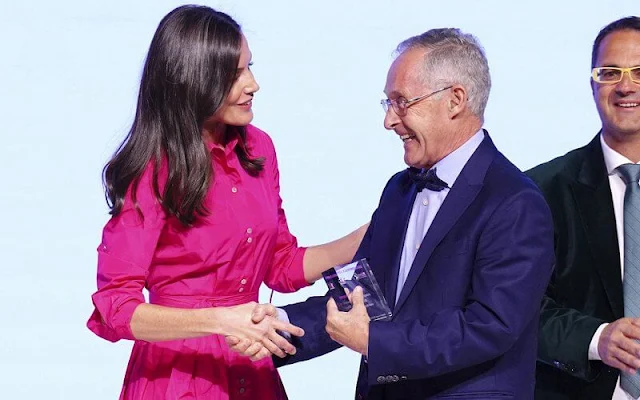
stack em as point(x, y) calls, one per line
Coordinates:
point(586, 286)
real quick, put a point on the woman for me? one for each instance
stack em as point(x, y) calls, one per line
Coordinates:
point(197, 220)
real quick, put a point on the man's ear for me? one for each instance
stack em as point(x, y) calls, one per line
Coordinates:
point(457, 101)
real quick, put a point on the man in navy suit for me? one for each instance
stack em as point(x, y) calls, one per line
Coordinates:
point(461, 245)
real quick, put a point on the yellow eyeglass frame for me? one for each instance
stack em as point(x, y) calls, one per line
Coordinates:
point(596, 71)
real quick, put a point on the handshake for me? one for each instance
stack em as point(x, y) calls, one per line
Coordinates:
point(255, 331)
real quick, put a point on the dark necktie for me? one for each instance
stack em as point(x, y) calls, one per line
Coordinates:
point(630, 174)
point(427, 179)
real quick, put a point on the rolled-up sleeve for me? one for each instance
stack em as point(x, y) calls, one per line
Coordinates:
point(286, 272)
point(124, 257)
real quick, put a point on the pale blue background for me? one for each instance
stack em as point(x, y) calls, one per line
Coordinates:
point(69, 74)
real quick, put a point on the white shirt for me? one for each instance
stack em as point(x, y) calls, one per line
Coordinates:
point(613, 160)
point(428, 202)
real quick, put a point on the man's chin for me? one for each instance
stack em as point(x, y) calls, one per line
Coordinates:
point(413, 163)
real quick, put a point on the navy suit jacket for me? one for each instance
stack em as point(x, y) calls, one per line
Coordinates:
point(466, 321)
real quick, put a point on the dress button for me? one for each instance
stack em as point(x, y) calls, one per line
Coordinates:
point(425, 202)
point(241, 390)
point(242, 381)
point(234, 189)
point(249, 230)
point(418, 246)
point(249, 240)
point(241, 289)
point(243, 281)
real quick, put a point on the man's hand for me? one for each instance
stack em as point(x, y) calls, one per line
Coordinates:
point(618, 346)
point(350, 329)
point(256, 349)
point(252, 331)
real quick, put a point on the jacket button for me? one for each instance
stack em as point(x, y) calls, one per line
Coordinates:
point(381, 379)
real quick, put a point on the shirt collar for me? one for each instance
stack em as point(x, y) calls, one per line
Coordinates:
point(450, 167)
point(612, 159)
point(219, 149)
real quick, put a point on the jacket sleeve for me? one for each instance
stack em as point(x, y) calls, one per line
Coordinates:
point(311, 315)
point(564, 338)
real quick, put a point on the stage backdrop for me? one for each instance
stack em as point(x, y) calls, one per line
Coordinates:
point(69, 74)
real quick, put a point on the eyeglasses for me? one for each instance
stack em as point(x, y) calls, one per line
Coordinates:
point(400, 105)
point(615, 74)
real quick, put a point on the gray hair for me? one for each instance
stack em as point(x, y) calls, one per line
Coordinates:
point(454, 57)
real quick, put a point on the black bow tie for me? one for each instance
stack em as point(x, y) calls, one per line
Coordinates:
point(427, 180)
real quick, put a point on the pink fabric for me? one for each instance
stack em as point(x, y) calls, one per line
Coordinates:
point(220, 261)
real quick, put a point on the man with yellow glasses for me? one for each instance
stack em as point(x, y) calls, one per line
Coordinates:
point(590, 326)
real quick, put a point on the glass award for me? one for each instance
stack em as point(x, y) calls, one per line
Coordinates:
point(345, 278)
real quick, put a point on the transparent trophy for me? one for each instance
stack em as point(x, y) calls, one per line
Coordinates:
point(343, 279)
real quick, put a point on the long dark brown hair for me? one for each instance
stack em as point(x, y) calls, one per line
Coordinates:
point(189, 71)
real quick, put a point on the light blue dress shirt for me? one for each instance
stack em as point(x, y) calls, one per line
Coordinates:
point(427, 204)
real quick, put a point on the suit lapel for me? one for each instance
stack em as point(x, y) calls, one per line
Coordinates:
point(591, 191)
point(462, 193)
point(398, 222)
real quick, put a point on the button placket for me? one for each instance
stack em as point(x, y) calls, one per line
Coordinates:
point(242, 388)
point(249, 232)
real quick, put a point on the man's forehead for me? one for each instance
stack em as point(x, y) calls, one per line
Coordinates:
point(410, 60)
point(405, 70)
point(620, 47)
